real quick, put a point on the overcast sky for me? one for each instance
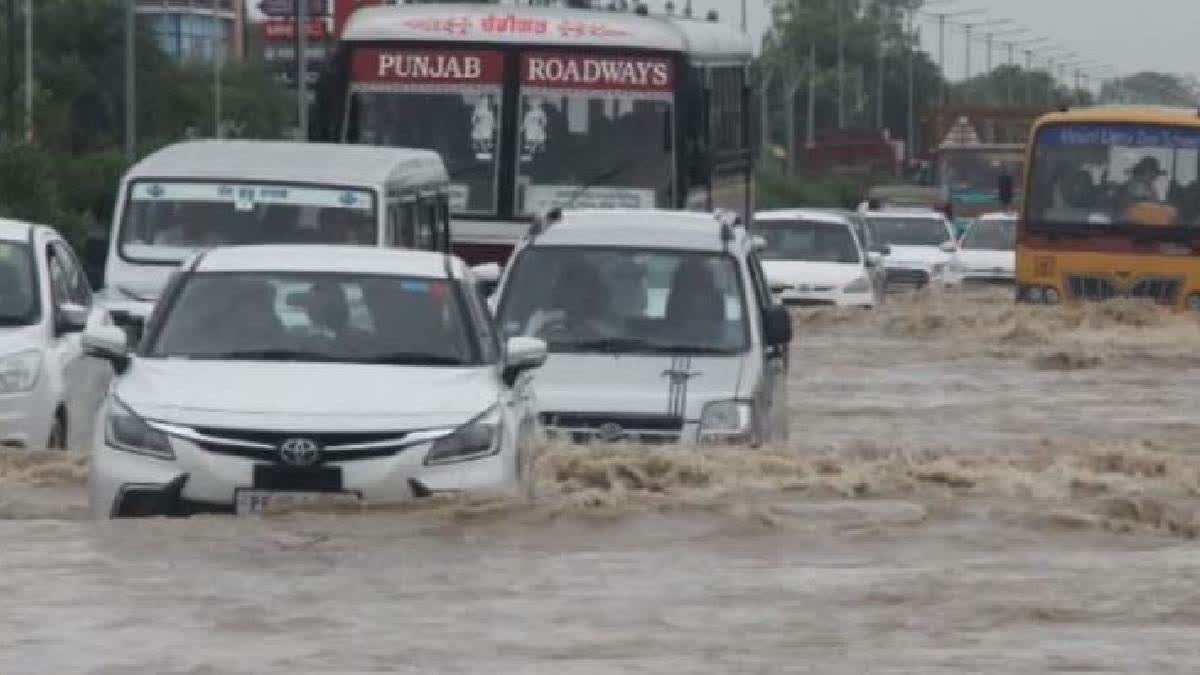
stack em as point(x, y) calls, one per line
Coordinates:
point(1132, 35)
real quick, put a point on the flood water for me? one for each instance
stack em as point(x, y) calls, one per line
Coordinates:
point(970, 487)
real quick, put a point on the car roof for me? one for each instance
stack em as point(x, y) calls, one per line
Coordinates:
point(327, 258)
point(547, 26)
point(15, 230)
point(318, 163)
point(638, 228)
point(830, 216)
point(906, 213)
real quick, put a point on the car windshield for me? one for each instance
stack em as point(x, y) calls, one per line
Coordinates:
point(992, 234)
point(448, 101)
point(626, 301)
point(594, 132)
point(167, 220)
point(1099, 175)
point(911, 231)
point(18, 294)
point(317, 317)
point(807, 240)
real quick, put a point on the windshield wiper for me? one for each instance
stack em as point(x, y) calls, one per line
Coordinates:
point(268, 355)
point(639, 345)
point(408, 359)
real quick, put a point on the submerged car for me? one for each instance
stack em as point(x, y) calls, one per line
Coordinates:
point(921, 241)
point(283, 374)
point(48, 389)
point(660, 325)
point(817, 258)
point(987, 252)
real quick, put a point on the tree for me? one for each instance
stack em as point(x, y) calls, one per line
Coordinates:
point(1153, 88)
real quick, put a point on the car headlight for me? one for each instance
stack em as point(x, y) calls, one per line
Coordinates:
point(859, 285)
point(726, 420)
point(19, 372)
point(124, 430)
point(479, 438)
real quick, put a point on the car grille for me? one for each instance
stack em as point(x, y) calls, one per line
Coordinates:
point(1159, 289)
point(264, 445)
point(601, 427)
point(914, 277)
point(807, 302)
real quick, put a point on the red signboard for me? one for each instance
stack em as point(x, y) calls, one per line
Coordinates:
point(284, 30)
point(607, 73)
point(428, 66)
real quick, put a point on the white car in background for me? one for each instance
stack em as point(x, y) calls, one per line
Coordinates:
point(292, 374)
point(987, 252)
point(815, 258)
point(48, 390)
point(660, 325)
point(922, 243)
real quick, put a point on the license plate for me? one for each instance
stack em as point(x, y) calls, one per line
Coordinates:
point(250, 502)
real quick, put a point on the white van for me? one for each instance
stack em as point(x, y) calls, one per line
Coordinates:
point(204, 194)
point(660, 325)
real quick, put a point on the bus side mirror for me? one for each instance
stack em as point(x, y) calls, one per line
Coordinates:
point(1006, 190)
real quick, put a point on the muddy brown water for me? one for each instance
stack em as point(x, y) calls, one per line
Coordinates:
point(970, 487)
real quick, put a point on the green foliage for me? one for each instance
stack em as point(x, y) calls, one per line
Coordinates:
point(28, 186)
point(778, 190)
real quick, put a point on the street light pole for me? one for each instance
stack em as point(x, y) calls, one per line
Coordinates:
point(302, 69)
point(130, 80)
point(841, 65)
point(29, 70)
point(942, 17)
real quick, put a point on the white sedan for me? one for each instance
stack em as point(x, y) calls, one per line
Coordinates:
point(987, 253)
point(48, 390)
point(285, 374)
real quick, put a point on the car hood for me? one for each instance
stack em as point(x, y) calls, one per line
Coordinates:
point(985, 259)
point(14, 339)
point(637, 384)
point(305, 396)
point(915, 257)
point(812, 273)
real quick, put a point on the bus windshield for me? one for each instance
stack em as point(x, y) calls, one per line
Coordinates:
point(594, 132)
point(1105, 175)
point(164, 221)
point(448, 101)
point(978, 170)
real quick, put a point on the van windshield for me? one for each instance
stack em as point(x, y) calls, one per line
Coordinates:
point(164, 221)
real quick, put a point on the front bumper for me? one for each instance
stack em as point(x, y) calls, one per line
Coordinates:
point(125, 484)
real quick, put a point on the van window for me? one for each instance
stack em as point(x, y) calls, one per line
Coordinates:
point(401, 224)
point(427, 223)
point(167, 220)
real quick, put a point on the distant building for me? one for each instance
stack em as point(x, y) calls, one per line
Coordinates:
point(195, 30)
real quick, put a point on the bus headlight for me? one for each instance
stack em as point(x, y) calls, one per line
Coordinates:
point(1051, 296)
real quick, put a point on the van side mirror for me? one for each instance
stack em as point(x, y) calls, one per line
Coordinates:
point(104, 339)
point(522, 354)
point(1006, 190)
point(777, 326)
point(487, 277)
point(70, 317)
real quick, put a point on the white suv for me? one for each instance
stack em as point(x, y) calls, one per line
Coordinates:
point(300, 373)
point(660, 325)
point(48, 390)
point(922, 243)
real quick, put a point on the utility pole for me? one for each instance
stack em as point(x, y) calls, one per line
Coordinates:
point(302, 69)
point(130, 81)
point(841, 65)
point(942, 17)
point(10, 81)
point(879, 72)
point(811, 132)
point(991, 37)
point(912, 67)
point(29, 70)
point(218, 57)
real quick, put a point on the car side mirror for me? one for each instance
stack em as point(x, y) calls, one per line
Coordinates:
point(777, 326)
point(883, 250)
point(1005, 190)
point(874, 259)
point(104, 339)
point(758, 242)
point(949, 246)
point(487, 277)
point(70, 317)
point(522, 354)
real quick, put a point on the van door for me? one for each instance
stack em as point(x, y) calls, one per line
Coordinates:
point(772, 391)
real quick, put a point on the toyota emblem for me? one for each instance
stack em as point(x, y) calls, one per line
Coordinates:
point(299, 452)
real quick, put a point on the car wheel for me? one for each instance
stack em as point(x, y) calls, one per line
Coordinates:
point(58, 433)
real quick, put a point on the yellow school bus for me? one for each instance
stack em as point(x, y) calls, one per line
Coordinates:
point(1112, 207)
